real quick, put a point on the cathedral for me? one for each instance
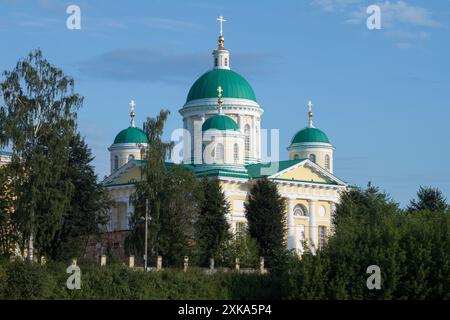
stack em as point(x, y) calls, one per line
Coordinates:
point(222, 140)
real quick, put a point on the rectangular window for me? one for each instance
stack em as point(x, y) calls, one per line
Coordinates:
point(322, 236)
point(240, 229)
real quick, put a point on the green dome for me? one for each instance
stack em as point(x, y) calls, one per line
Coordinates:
point(220, 122)
point(131, 135)
point(310, 135)
point(232, 83)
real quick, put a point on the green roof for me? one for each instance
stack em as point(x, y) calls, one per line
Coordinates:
point(131, 135)
point(310, 135)
point(232, 83)
point(258, 170)
point(220, 122)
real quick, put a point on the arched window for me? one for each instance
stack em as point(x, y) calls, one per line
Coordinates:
point(219, 153)
point(226, 62)
point(130, 157)
point(216, 62)
point(296, 157)
point(300, 211)
point(247, 137)
point(312, 157)
point(327, 162)
point(116, 162)
point(236, 152)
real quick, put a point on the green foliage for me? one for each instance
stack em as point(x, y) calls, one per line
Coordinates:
point(265, 213)
point(212, 228)
point(38, 118)
point(178, 209)
point(8, 232)
point(89, 207)
point(245, 249)
point(412, 251)
point(430, 199)
point(26, 281)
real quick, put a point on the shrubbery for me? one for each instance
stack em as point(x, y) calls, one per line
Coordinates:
point(22, 280)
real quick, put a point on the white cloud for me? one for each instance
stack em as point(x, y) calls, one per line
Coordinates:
point(333, 5)
point(403, 13)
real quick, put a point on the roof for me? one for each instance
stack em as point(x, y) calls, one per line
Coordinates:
point(220, 122)
point(310, 135)
point(258, 170)
point(131, 135)
point(232, 83)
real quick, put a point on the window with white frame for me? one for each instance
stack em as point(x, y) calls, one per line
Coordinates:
point(240, 229)
point(116, 162)
point(300, 211)
point(312, 158)
point(247, 137)
point(327, 162)
point(219, 156)
point(322, 236)
point(236, 152)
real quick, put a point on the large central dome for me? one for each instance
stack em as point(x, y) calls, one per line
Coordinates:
point(233, 84)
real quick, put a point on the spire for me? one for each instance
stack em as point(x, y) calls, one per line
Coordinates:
point(219, 99)
point(310, 114)
point(221, 55)
point(132, 113)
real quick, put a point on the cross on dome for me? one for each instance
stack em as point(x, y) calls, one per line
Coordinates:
point(219, 100)
point(221, 21)
point(132, 113)
point(310, 114)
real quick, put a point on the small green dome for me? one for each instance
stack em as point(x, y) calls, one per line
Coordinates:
point(220, 122)
point(310, 135)
point(131, 135)
point(232, 83)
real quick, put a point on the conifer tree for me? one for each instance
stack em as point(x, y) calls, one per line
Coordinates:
point(212, 228)
point(265, 213)
point(430, 199)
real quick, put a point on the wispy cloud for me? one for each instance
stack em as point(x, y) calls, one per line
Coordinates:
point(399, 19)
point(164, 65)
point(336, 5)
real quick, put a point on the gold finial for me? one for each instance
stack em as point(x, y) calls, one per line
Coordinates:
point(132, 113)
point(219, 100)
point(221, 38)
point(310, 114)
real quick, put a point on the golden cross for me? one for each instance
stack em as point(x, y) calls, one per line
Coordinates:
point(222, 20)
point(132, 105)
point(219, 92)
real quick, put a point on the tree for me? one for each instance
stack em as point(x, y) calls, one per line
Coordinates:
point(8, 232)
point(265, 213)
point(178, 211)
point(89, 206)
point(428, 199)
point(150, 189)
point(38, 119)
point(212, 228)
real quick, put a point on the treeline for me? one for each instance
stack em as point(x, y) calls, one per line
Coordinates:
point(411, 247)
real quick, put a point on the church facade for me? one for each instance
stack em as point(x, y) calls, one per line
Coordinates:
point(222, 140)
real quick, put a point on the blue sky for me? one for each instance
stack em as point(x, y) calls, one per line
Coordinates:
point(382, 96)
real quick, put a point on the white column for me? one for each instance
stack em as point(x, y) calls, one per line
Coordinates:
point(312, 225)
point(291, 237)
point(253, 135)
point(197, 128)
